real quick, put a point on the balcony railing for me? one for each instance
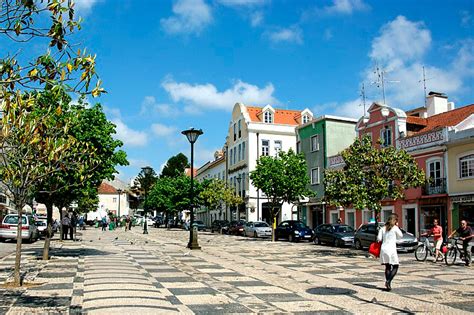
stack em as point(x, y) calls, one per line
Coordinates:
point(435, 186)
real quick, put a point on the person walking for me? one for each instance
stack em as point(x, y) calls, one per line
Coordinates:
point(127, 222)
point(72, 228)
point(437, 233)
point(104, 223)
point(465, 234)
point(388, 235)
point(65, 222)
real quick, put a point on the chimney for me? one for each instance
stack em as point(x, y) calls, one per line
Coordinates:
point(437, 103)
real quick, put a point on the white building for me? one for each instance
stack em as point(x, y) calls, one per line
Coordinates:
point(212, 169)
point(112, 199)
point(253, 132)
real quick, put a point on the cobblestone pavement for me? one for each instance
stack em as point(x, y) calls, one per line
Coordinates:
point(131, 273)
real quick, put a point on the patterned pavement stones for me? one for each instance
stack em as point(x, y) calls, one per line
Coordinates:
point(117, 272)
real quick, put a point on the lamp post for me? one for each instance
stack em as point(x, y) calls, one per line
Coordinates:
point(192, 135)
point(119, 192)
point(239, 179)
point(146, 174)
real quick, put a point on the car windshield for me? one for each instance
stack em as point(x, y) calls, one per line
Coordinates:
point(40, 223)
point(300, 225)
point(344, 229)
point(13, 219)
point(261, 224)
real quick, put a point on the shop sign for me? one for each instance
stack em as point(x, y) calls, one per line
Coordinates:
point(461, 199)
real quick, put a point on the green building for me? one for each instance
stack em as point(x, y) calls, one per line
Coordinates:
point(319, 140)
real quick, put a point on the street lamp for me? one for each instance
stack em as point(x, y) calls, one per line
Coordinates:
point(192, 135)
point(119, 192)
point(146, 174)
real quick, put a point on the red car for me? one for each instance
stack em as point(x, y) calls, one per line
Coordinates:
point(237, 227)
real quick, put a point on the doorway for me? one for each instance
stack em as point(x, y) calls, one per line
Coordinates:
point(410, 220)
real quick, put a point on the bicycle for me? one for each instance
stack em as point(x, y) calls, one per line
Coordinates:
point(422, 250)
point(454, 251)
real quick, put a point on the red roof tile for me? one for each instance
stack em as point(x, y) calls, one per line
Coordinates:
point(105, 188)
point(416, 120)
point(282, 116)
point(447, 119)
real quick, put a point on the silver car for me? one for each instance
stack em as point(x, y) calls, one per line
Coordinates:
point(258, 229)
point(8, 228)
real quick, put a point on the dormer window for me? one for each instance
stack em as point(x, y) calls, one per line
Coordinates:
point(305, 119)
point(268, 117)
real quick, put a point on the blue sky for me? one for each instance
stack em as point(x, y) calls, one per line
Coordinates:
point(169, 65)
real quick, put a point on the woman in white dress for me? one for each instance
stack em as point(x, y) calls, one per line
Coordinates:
point(388, 235)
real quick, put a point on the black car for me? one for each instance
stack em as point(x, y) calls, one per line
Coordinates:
point(293, 230)
point(334, 234)
point(237, 227)
point(200, 225)
point(221, 226)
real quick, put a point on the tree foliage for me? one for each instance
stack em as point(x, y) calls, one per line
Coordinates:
point(282, 178)
point(216, 193)
point(175, 166)
point(144, 182)
point(371, 175)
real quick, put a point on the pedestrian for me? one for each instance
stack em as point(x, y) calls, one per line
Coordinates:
point(81, 223)
point(465, 234)
point(339, 221)
point(437, 233)
point(73, 226)
point(388, 235)
point(65, 222)
point(130, 222)
point(127, 222)
point(104, 223)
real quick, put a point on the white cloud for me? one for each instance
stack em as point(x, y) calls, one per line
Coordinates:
point(328, 34)
point(163, 130)
point(288, 35)
point(256, 19)
point(207, 95)
point(150, 106)
point(129, 136)
point(84, 6)
point(190, 16)
point(402, 40)
point(351, 109)
point(466, 18)
point(345, 7)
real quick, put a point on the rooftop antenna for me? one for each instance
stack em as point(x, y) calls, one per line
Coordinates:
point(362, 94)
point(424, 83)
point(380, 80)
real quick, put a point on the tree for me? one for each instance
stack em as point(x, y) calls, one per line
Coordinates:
point(371, 175)
point(215, 193)
point(145, 181)
point(282, 178)
point(175, 166)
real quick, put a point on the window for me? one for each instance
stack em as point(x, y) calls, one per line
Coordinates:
point(315, 143)
point(240, 152)
point(315, 176)
point(114, 200)
point(240, 128)
point(3, 199)
point(235, 133)
point(305, 119)
point(235, 155)
point(386, 136)
point(265, 147)
point(231, 160)
point(466, 166)
point(334, 216)
point(268, 117)
point(277, 146)
point(366, 214)
point(243, 150)
point(350, 218)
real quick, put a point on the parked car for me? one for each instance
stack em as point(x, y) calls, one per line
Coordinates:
point(237, 227)
point(334, 234)
point(367, 234)
point(221, 226)
point(258, 229)
point(200, 225)
point(42, 227)
point(157, 221)
point(8, 228)
point(294, 231)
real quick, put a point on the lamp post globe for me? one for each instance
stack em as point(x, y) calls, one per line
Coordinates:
point(192, 135)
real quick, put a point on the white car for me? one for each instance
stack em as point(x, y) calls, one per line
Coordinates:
point(258, 229)
point(8, 228)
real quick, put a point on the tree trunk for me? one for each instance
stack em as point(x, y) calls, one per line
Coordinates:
point(49, 230)
point(60, 223)
point(17, 278)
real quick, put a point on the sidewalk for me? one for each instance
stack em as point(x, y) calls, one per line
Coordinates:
point(131, 273)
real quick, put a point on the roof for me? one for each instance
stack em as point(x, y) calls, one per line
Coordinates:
point(105, 188)
point(446, 119)
point(281, 116)
point(187, 172)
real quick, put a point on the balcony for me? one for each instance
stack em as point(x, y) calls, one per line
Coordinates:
point(435, 186)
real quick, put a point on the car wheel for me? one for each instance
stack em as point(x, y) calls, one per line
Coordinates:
point(317, 240)
point(291, 238)
point(358, 244)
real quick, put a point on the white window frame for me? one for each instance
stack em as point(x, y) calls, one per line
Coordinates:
point(366, 213)
point(434, 160)
point(404, 213)
point(383, 218)
point(268, 117)
point(317, 182)
point(305, 118)
point(314, 145)
point(279, 147)
point(239, 155)
point(331, 212)
point(458, 160)
point(346, 216)
point(383, 135)
point(265, 148)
